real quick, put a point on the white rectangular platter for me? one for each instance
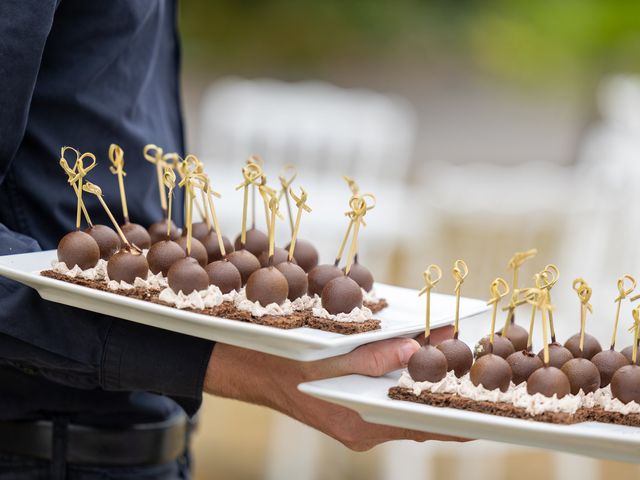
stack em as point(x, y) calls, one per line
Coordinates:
point(368, 397)
point(404, 316)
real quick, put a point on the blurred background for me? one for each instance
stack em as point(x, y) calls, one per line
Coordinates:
point(483, 128)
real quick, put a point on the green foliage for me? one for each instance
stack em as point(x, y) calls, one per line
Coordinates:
point(528, 41)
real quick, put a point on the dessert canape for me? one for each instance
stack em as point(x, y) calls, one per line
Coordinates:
point(155, 155)
point(514, 332)
point(253, 240)
point(458, 354)
point(548, 380)
point(428, 363)
point(128, 263)
point(490, 370)
point(581, 372)
point(558, 354)
point(78, 248)
point(583, 345)
point(609, 361)
point(165, 252)
point(187, 275)
point(625, 384)
point(135, 234)
point(268, 285)
point(245, 261)
point(295, 275)
point(524, 362)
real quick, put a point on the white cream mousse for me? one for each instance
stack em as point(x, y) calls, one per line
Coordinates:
point(517, 396)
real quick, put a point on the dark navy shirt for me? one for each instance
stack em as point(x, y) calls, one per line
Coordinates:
point(86, 74)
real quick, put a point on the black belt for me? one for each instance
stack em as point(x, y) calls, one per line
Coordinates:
point(141, 444)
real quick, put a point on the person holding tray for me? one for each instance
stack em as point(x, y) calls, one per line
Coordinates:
point(75, 384)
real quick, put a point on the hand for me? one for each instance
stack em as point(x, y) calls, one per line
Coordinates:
point(272, 381)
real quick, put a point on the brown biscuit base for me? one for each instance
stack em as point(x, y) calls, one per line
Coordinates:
point(345, 328)
point(503, 409)
point(229, 311)
point(375, 307)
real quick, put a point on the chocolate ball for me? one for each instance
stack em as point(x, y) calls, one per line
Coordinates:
point(341, 295)
point(628, 353)
point(210, 242)
point(136, 235)
point(257, 242)
point(502, 347)
point(427, 364)
point(246, 263)
point(320, 276)
point(163, 254)
point(187, 276)
point(199, 230)
point(458, 355)
point(548, 381)
point(296, 279)
point(107, 239)
point(590, 348)
point(197, 249)
point(305, 254)
point(78, 248)
point(558, 355)
point(158, 231)
point(126, 265)
point(266, 286)
point(224, 275)
point(491, 371)
point(625, 384)
point(582, 374)
point(279, 255)
point(517, 335)
point(362, 276)
point(523, 363)
point(608, 362)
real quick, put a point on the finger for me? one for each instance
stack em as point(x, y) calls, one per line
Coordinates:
point(374, 359)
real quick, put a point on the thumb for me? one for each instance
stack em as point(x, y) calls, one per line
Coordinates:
point(376, 359)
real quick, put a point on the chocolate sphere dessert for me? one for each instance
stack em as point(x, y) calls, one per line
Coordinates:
point(628, 354)
point(197, 249)
point(517, 335)
point(558, 355)
point(491, 371)
point(199, 230)
point(523, 363)
point(136, 235)
point(187, 276)
point(224, 275)
point(210, 242)
point(107, 239)
point(502, 347)
point(590, 348)
point(78, 248)
point(458, 355)
point(245, 262)
point(266, 286)
point(296, 279)
point(608, 362)
point(341, 295)
point(362, 276)
point(582, 374)
point(279, 255)
point(257, 242)
point(126, 265)
point(305, 254)
point(427, 364)
point(163, 254)
point(548, 381)
point(158, 231)
point(320, 276)
point(625, 384)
